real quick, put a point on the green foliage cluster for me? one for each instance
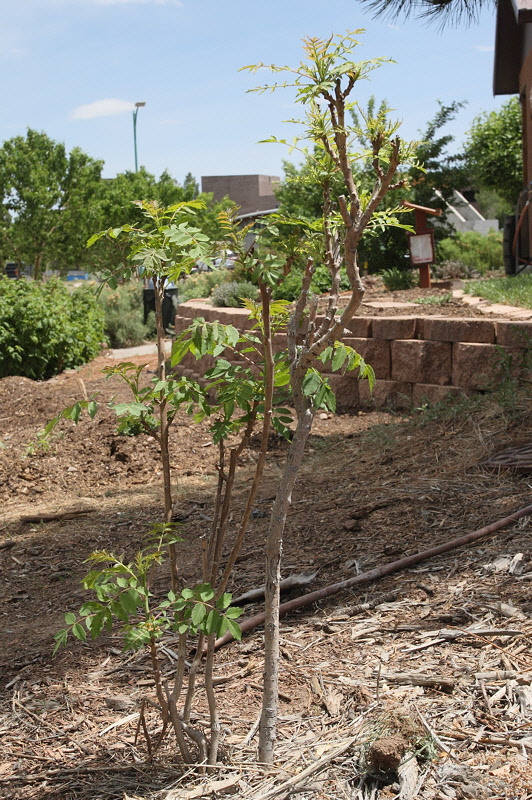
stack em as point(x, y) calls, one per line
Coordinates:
point(396, 279)
point(201, 284)
point(45, 329)
point(434, 299)
point(384, 244)
point(117, 203)
point(290, 287)
point(122, 593)
point(231, 294)
point(516, 291)
point(123, 309)
point(47, 196)
point(493, 151)
point(478, 252)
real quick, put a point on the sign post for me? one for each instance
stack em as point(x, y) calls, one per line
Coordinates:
point(421, 243)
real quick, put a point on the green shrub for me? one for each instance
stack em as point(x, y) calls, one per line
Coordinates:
point(321, 282)
point(478, 252)
point(231, 294)
point(396, 279)
point(201, 284)
point(290, 288)
point(451, 270)
point(124, 310)
point(45, 329)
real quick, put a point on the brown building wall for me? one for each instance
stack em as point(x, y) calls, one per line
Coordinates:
point(525, 93)
point(250, 192)
point(525, 96)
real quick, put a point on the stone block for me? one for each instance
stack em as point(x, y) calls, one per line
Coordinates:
point(193, 308)
point(431, 393)
point(360, 327)
point(346, 389)
point(421, 361)
point(456, 329)
point(279, 342)
point(203, 308)
point(239, 317)
point(513, 334)
point(181, 323)
point(478, 366)
point(394, 394)
point(394, 327)
point(375, 352)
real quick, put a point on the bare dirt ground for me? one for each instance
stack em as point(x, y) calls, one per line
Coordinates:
point(434, 660)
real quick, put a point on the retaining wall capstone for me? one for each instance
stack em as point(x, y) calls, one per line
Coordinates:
point(416, 359)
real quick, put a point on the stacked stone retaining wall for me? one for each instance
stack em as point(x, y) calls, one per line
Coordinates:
point(416, 359)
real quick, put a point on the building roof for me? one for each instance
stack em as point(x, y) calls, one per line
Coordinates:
point(512, 15)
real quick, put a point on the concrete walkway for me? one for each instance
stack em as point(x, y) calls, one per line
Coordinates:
point(142, 350)
point(498, 309)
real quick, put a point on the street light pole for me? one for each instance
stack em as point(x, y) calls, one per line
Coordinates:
point(135, 112)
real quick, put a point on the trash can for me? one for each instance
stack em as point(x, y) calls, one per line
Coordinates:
point(508, 237)
point(12, 270)
point(169, 305)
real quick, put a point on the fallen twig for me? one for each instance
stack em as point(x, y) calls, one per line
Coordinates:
point(49, 516)
point(466, 736)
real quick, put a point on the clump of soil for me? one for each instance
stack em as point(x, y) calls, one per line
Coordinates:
point(386, 753)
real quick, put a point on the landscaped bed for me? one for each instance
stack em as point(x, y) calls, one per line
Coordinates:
point(374, 487)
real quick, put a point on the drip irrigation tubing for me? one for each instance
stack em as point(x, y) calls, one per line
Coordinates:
point(374, 574)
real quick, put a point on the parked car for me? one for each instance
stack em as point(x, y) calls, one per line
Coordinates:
point(77, 275)
point(227, 260)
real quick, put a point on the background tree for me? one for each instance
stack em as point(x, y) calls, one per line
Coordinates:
point(47, 198)
point(300, 193)
point(117, 204)
point(190, 187)
point(493, 152)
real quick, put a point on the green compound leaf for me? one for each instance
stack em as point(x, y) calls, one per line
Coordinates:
point(79, 632)
point(198, 614)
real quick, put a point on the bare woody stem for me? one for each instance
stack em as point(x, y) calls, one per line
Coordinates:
point(266, 426)
point(158, 284)
point(211, 700)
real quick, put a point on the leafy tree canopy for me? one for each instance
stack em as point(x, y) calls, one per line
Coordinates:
point(52, 201)
point(301, 194)
point(493, 152)
point(46, 194)
point(117, 205)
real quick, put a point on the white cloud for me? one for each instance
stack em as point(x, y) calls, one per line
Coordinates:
point(102, 108)
point(484, 48)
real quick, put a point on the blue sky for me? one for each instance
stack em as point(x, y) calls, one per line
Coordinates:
point(74, 69)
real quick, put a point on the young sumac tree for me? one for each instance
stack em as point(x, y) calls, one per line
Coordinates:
point(324, 83)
